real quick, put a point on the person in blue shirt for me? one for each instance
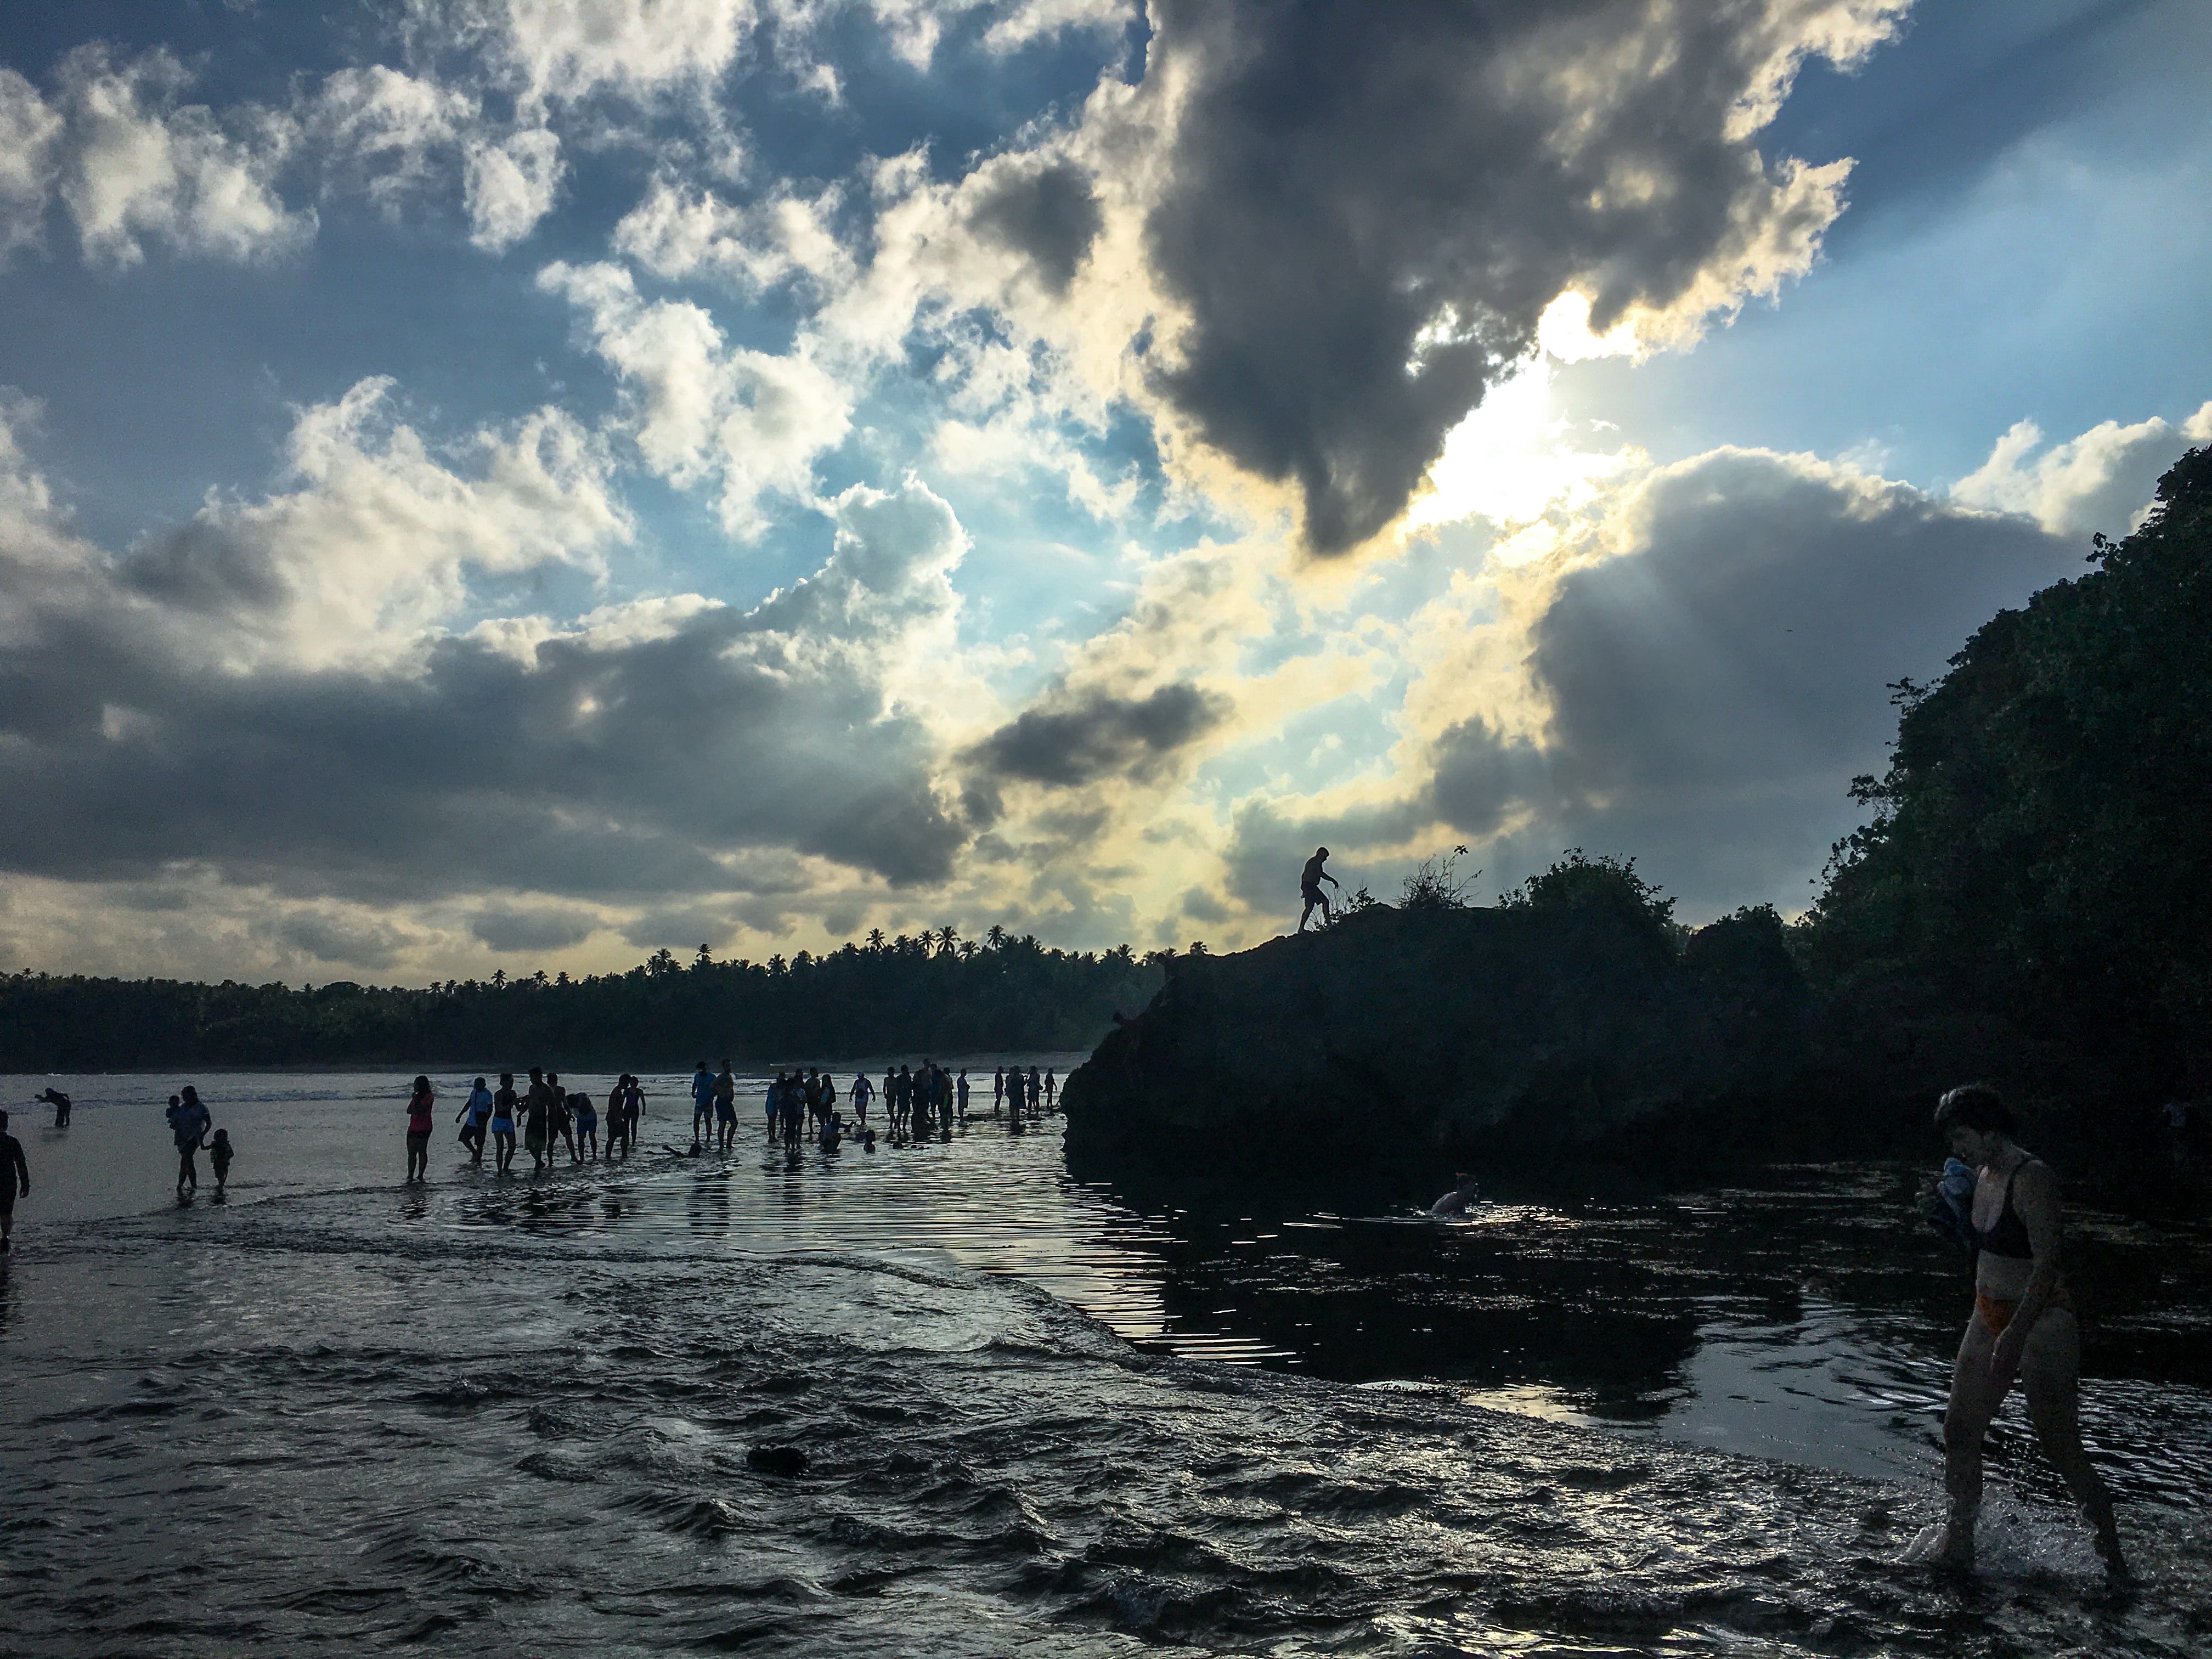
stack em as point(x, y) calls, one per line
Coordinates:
point(475, 1116)
point(702, 1101)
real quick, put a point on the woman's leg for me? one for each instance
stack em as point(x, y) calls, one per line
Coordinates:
point(2049, 1375)
point(1974, 1401)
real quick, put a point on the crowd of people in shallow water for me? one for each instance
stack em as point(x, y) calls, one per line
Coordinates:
point(543, 1117)
point(1995, 1198)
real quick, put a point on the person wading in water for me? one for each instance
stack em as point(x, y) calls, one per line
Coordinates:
point(2023, 1329)
point(1309, 881)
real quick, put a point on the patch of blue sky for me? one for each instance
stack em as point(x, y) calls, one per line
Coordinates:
point(1325, 747)
point(2031, 261)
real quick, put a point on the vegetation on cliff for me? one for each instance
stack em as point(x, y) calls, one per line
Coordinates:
point(2034, 892)
point(2031, 902)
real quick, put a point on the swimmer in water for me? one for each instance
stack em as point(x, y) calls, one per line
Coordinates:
point(15, 1177)
point(2023, 1329)
point(1463, 1196)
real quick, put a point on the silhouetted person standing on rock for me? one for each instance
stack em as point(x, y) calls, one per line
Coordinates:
point(1309, 883)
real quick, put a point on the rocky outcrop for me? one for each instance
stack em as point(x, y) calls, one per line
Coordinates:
point(1465, 1034)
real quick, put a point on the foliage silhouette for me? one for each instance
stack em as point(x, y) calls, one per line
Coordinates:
point(912, 995)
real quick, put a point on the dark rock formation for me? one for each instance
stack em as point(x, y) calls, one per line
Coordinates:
point(1478, 1035)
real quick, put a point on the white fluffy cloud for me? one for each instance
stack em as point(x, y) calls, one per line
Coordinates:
point(384, 131)
point(656, 757)
point(510, 186)
point(138, 166)
point(375, 537)
point(29, 134)
point(2100, 480)
point(701, 409)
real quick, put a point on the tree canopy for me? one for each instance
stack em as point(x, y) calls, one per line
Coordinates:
point(2040, 852)
point(933, 994)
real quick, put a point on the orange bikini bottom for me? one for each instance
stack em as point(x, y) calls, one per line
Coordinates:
point(1996, 1313)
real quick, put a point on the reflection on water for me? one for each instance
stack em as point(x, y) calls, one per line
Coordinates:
point(826, 1402)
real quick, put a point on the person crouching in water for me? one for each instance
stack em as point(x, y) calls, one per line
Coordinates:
point(587, 1122)
point(2024, 1327)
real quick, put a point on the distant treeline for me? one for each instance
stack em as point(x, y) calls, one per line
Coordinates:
point(932, 995)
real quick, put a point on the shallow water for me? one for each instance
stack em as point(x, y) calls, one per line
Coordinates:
point(944, 1400)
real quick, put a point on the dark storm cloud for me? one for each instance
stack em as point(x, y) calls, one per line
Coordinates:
point(1714, 691)
point(1478, 774)
point(1076, 738)
point(371, 944)
point(606, 767)
point(1746, 646)
point(530, 930)
point(1367, 208)
point(1051, 216)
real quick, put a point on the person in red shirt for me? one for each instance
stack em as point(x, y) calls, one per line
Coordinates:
point(419, 1123)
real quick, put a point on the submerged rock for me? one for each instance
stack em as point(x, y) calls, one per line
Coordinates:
point(1482, 1034)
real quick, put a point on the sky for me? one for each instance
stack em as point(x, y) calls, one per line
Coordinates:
point(520, 484)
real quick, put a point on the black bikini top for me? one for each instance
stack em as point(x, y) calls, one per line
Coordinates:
point(2009, 1237)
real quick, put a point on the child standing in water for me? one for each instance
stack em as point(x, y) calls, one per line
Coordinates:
point(219, 1153)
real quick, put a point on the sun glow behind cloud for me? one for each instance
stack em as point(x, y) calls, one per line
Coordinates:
point(1514, 458)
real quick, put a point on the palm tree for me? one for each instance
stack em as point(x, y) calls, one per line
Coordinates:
point(996, 939)
point(875, 940)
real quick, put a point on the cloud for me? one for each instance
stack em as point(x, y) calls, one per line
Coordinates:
point(2100, 480)
point(679, 229)
point(645, 754)
point(1050, 215)
point(378, 537)
point(28, 135)
point(701, 409)
point(566, 49)
point(1355, 229)
point(1079, 738)
point(510, 186)
point(334, 935)
point(139, 167)
point(383, 131)
point(509, 931)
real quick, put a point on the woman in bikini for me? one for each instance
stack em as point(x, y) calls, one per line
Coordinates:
point(2023, 1327)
